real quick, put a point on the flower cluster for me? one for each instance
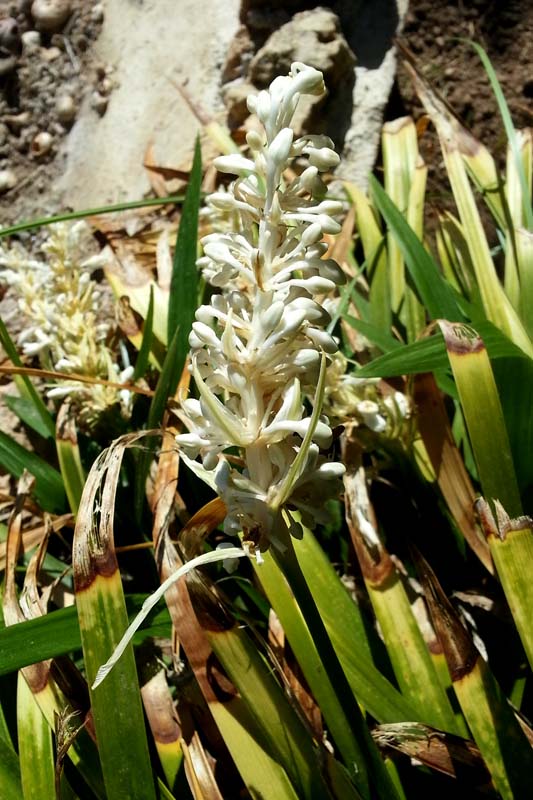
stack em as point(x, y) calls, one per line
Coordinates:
point(260, 347)
point(349, 399)
point(64, 329)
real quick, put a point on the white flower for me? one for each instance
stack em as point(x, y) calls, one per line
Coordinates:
point(60, 302)
point(257, 349)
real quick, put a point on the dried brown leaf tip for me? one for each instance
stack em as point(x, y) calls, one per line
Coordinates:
point(460, 339)
point(457, 645)
point(502, 524)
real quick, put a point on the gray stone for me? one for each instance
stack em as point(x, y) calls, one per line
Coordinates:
point(371, 92)
point(155, 51)
point(313, 37)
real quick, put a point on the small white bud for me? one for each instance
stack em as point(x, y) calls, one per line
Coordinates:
point(331, 470)
point(315, 284)
point(312, 234)
point(254, 140)
point(271, 317)
point(322, 340)
point(308, 79)
point(263, 106)
point(306, 358)
point(323, 158)
point(206, 334)
point(329, 225)
point(234, 164)
point(280, 148)
point(369, 411)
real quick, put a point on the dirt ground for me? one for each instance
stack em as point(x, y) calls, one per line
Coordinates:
point(47, 68)
point(433, 32)
point(80, 99)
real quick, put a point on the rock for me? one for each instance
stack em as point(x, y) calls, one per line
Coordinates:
point(106, 86)
point(8, 180)
point(234, 95)
point(49, 54)
point(239, 53)
point(66, 109)
point(10, 35)
point(41, 144)
point(313, 37)
point(31, 40)
point(99, 103)
point(97, 13)
point(17, 121)
point(50, 15)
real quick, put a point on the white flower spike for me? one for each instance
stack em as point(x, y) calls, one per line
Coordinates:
point(258, 349)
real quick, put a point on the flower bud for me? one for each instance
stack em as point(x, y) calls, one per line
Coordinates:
point(280, 148)
point(206, 334)
point(234, 164)
point(254, 140)
point(307, 79)
point(323, 158)
point(312, 234)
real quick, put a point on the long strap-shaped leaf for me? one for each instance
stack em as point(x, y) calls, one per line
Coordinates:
point(502, 743)
point(434, 292)
point(511, 543)
point(45, 693)
point(36, 751)
point(116, 705)
point(409, 653)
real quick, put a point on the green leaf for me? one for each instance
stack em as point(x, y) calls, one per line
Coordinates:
point(509, 130)
point(314, 669)
point(514, 378)
point(58, 633)
point(90, 212)
point(36, 752)
point(430, 354)
point(143, 357)
point(26, 411)
point(49, 490)
point(381, 338)
point(277, 724)
point(184, 282)
point(25, 386)
point(68, 455)
point(483, 414)
point(10, 786)
point(433, 290)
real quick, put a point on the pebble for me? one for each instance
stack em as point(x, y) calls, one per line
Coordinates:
point(31, 40)
point(65, 108)
point(50, 53)
point(8, 180)
point(17, 121)
point(106, 86)
point(99, 103)
point(41, 144)
point(50, 15)
point(9, 35)
point(97, 12)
